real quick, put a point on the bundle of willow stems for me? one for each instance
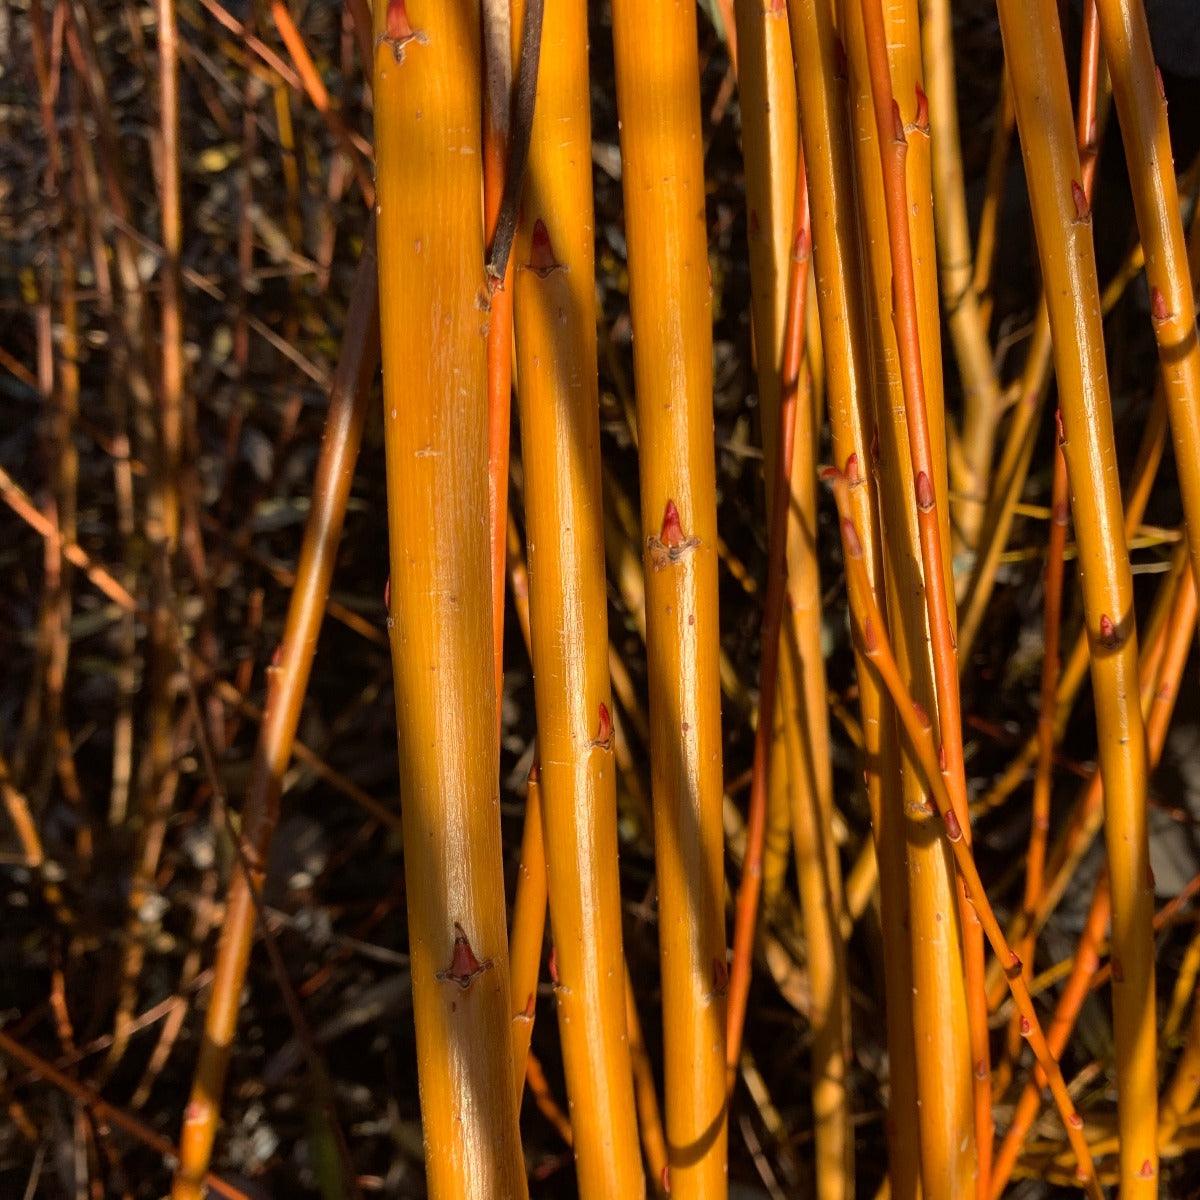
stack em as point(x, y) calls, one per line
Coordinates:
point(776, 615)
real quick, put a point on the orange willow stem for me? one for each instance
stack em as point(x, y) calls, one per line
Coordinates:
point(919, 733)
point(172, 240)
point(892, 136)
point(558, 395)
point(428, 70)
point(658, 100)
point(844, 342)
point(497, 101)
point(287, 683)
point(1062, 222)
point(1142, 112)
point(746, 914)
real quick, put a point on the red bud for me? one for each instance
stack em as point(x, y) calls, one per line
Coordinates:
point(464, 966)
point(953, 828)
point(672, 529)
point(922, 118)
point(399, 28)
point(924, 492)
point(1083, 209)
point(1108, 631)
point(541, 252)
point(605, 731)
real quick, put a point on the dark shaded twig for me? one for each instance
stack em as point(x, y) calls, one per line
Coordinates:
point(518, 151)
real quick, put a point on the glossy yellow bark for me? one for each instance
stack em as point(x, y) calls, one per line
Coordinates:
point(658, 101)
point(431, 263)
point(558, 396)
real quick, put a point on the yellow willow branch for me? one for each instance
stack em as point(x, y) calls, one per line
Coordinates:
point(428, 70)
point(658, 101)
point(1142, 112)
point(1062, 222)
point(558, 396)
point(820, 73)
